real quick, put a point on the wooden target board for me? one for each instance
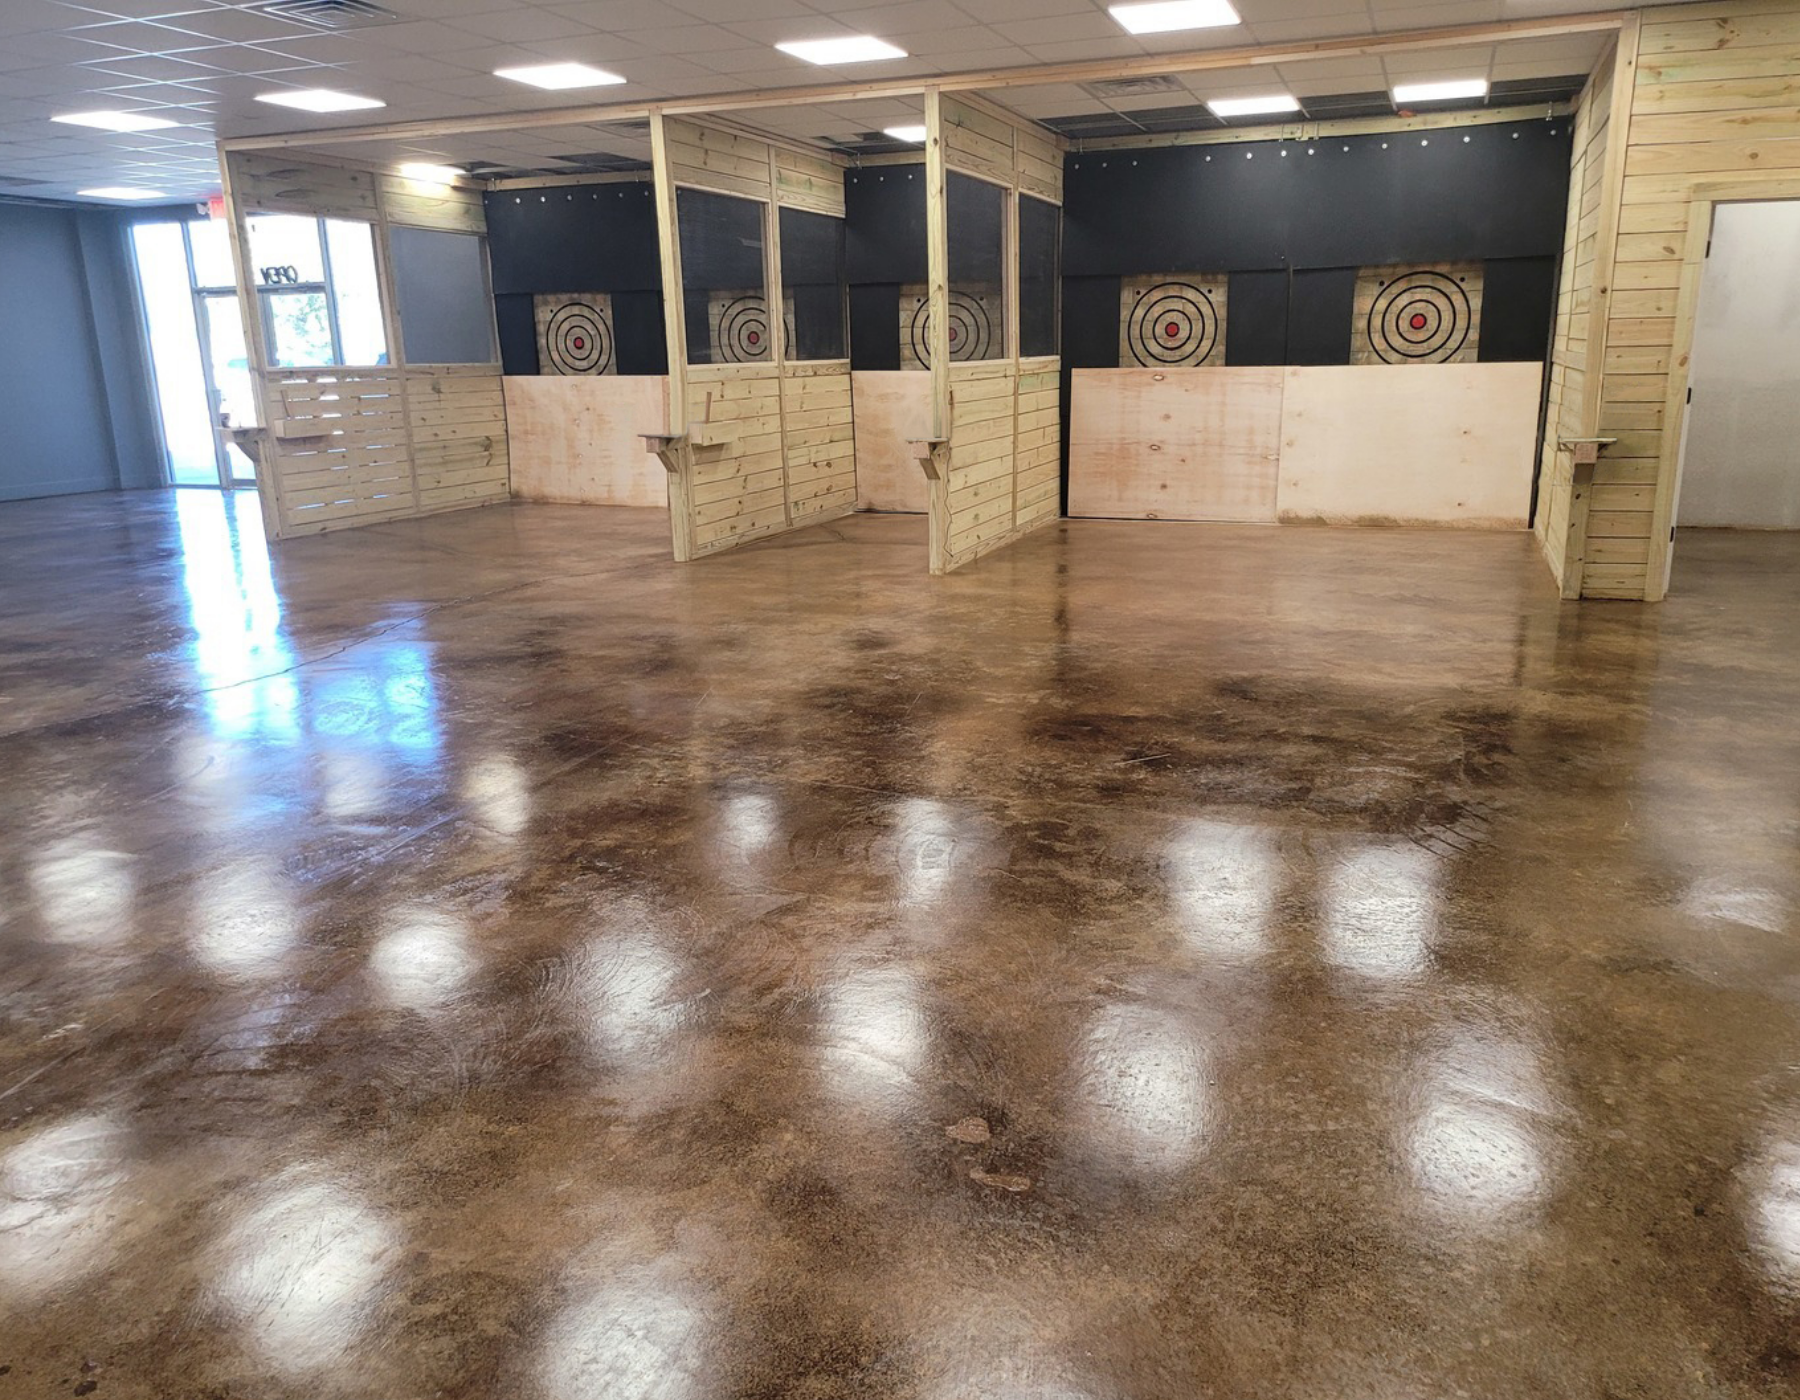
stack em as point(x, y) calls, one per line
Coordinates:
point(575, 333)
point(1417, 314)
point(1172, 320)
point(737, 324)
point(977, 325)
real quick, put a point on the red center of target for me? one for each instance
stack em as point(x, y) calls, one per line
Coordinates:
point(1418, 321)
point(754, 338)
point(955, 335)
point(580, 342)
point(1171, 331)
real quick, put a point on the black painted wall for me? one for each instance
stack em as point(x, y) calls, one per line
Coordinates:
point(578, 238)
point(884, 229)
point(1292, 221)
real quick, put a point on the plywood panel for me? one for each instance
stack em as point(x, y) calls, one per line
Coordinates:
point(574, 438)
point(1183, 444)
point(1409, 444)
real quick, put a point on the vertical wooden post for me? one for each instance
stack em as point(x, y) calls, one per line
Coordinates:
point(1009, 280)
point(668, 237)
point(937, 340)
point(776, 294)
point(1606, 247)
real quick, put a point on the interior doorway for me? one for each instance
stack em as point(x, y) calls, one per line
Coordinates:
point(1739, 468)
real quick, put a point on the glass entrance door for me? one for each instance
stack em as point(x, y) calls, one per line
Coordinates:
point(228, 377)
point(197, 354)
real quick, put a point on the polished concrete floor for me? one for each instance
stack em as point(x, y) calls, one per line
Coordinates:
point(479, 958)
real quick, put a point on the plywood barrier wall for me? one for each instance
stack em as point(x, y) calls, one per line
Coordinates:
point(574, 438)
point(764, 447)
point(1177, 444)
point(1704, 108)
point(357, 445)
point(1445, 444)
point(893, 408)
point(998, 422)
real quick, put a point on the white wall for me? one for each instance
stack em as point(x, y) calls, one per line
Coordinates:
point(1741, 465)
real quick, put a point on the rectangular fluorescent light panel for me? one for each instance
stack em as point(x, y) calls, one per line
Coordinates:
point(1228, 107)
point(427, 174)
point(559, 77)
point(1167, 16)
point(911, 134)
point(1440, 92)
point(115, 121)
point(320, 100)
point(121, 192)
point(831, 53)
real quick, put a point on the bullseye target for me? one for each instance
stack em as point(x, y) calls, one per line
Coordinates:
point(1419, 316)
point(740, 329)
point(1173, 323)
point(575, 334)
point(1171, 319)
point(974, 317)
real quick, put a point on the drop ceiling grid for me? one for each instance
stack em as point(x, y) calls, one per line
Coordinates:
point(201, 62)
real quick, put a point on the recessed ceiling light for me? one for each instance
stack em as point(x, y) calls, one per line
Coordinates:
point(1166, 16)
point(427, 174)
point(1440, 92)
point(115, 121)
point(320, 100)
point(830, 53)
point(1227, 107)
point(559, 77)
point(911, 134)
point(120, 192)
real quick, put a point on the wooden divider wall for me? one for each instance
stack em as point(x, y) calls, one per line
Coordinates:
point(1564, 418)
point(998, 423)
point(1705, 109)
point(781, 452)
point(356, 445)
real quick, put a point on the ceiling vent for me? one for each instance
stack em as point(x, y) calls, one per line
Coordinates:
point(327, 14)
point(1135, 87)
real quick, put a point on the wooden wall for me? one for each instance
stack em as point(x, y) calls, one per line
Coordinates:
point(356, 445)
point(1439, 444)
point(893, 409)
point(784, 453)
point(999, 420)
point(574, 438)
point(1707, 97)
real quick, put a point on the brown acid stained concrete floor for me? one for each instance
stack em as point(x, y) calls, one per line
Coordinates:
point(479, 958)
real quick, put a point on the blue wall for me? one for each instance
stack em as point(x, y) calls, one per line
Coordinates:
point(74, 385)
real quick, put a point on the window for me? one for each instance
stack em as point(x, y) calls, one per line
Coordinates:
point(441, 288)
point(724, 278)
point(1040, 222)
point(975, 213)
point(813, 285)
point(316, 289)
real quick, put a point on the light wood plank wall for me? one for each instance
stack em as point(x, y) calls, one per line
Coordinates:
point(1002, 418)
point(1568, 366)
point(1711, 96)
point(792, 461)
point(358, 445)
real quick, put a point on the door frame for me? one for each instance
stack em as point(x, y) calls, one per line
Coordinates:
point(1704, 199)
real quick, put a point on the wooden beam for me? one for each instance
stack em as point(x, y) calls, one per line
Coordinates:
point(1089, 70)
point(937, 340)
point(1606, 240)
point(668, 240)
